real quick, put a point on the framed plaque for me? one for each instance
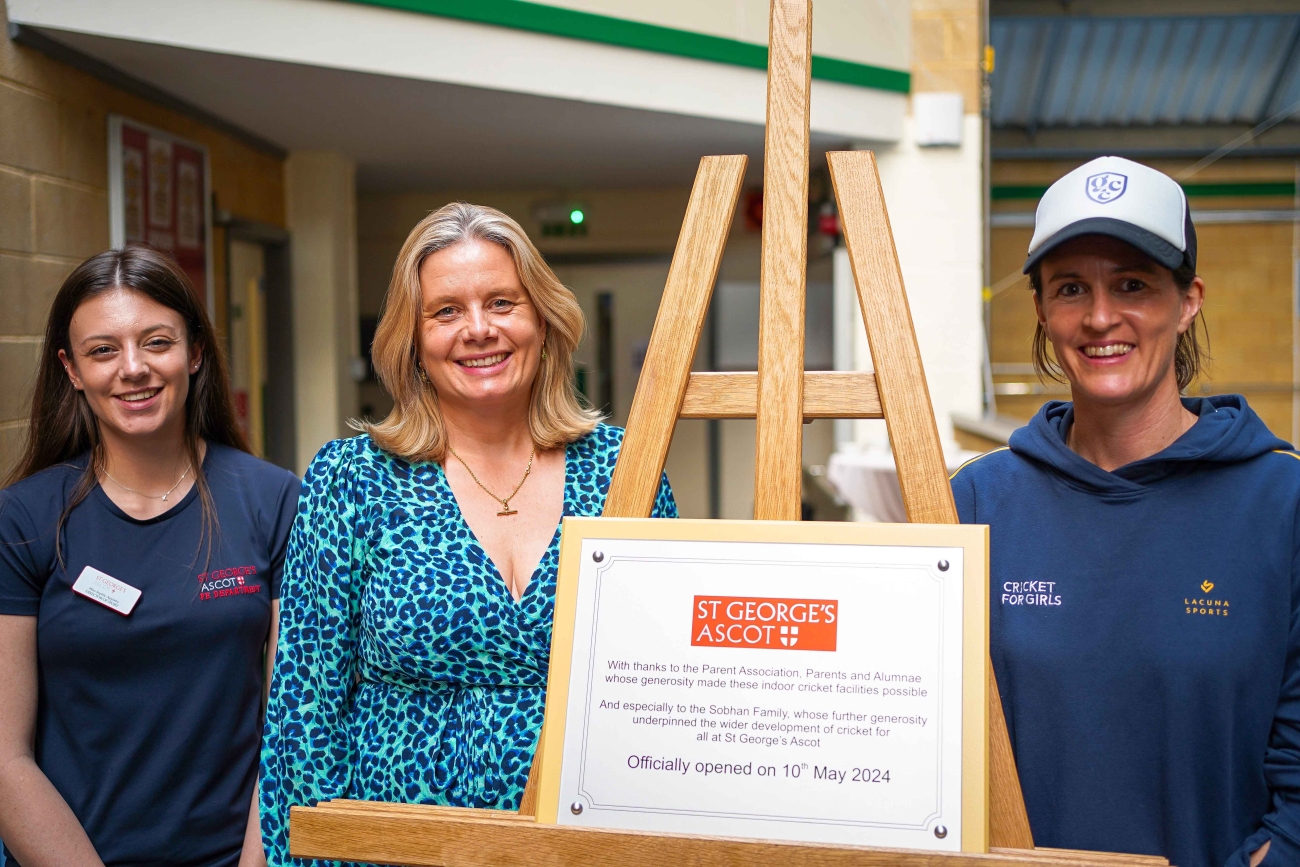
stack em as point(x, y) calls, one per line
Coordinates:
point(160, 194)
point(818, 682)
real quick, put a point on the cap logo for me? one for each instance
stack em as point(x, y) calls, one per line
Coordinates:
point(1106, 187)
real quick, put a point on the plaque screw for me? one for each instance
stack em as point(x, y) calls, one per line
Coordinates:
point(598, 556)
point(940, 831)
point(943, 567)
point(576, 809)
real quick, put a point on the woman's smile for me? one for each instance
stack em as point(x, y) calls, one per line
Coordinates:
point(140, 399)
point(131, 358)
point(1114, 317)
point(485, 364)
point(1107, 353)
point(481, 337)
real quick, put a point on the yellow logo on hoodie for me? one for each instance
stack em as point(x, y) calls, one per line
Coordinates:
point(1215, 607)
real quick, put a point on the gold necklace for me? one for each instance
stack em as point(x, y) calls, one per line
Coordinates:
point(505, 501)
point(104, 469)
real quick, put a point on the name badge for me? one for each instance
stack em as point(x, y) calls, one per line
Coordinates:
point(106, 590)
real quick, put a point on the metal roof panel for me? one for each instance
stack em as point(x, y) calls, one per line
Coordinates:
point(1066, 71)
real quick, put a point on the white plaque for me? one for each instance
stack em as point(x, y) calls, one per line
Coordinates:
point(778, 689)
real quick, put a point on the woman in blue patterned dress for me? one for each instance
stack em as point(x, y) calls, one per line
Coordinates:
point(419, 583)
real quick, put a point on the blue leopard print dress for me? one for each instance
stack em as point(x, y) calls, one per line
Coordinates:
point(405, 670)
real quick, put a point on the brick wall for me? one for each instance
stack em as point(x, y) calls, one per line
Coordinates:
point(54, 197)
point(946, 48)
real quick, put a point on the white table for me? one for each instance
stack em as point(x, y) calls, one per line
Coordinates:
point(868, 481)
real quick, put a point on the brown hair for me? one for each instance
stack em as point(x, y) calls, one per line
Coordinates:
point(1189, 358)
point(414, 430)
point(63, 426)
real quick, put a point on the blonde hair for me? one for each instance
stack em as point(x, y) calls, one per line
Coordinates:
point(415, 430)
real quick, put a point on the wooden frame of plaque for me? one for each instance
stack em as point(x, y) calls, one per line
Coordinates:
point(972, 615)
point(780, 395)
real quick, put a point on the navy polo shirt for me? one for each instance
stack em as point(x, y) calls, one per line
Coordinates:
point(149, 724)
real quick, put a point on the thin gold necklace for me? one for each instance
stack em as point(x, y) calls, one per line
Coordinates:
point(103, 469)
point(505, 501)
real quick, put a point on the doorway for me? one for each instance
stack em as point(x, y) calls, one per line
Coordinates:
point(260, 336)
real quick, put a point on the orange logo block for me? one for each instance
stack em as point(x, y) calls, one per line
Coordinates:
point(769, 624)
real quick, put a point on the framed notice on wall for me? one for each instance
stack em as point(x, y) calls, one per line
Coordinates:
point(159, 193)
point(818, 682)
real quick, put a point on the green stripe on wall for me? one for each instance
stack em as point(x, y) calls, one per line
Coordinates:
point(1270, 188)
point(1227, 188)
point(588, 26)
point(1008, 191)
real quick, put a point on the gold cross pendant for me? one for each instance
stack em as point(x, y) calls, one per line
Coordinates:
point(506, 510)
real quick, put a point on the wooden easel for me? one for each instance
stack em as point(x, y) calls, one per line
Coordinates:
point(780, 395)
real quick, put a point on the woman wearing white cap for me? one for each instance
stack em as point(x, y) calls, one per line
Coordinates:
point(1145, 554)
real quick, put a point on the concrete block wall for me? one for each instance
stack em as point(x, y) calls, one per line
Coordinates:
point(54, 198)
point(947, 49)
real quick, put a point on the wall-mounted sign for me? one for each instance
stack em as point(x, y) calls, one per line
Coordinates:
point(561, 219)
point(159, 192)
point(778, 680)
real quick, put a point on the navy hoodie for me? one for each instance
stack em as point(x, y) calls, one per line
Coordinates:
point(1146, 636)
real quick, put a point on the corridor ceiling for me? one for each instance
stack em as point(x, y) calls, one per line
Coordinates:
point(413, 134)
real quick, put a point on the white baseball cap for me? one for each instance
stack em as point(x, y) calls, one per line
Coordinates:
point(1120, 198)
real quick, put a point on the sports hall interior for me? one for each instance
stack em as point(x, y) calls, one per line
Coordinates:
point(324, 150)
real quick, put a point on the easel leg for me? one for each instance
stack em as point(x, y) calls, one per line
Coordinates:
point(528, 803)
point(1008, 821)
point(904, 396)
point(918, 453)
point(676, 336)
point(778, 450)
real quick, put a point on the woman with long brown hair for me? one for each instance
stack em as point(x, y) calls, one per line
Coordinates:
point(140, 554)
point(420, 581)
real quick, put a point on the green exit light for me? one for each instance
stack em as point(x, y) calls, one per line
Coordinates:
point(576, 216)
